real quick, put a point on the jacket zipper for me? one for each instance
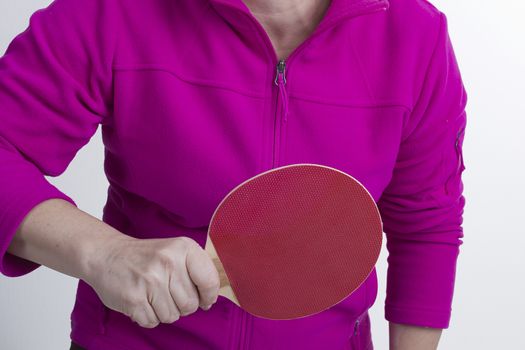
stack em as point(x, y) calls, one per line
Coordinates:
point(280, 81)
point(281, 105)
point(280, 110)
point(242, 330)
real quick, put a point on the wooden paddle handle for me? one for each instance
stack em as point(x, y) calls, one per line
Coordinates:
point(225, 287)
point(222, 274)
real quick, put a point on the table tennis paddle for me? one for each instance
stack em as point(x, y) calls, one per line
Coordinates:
point(295, 240)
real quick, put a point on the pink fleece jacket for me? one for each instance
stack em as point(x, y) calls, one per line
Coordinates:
point(192, 101)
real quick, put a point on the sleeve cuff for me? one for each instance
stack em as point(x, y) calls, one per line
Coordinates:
point(418, 317)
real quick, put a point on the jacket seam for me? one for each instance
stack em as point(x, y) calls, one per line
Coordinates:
point(427, 73)
point(359, 6)
point(432, 57)
point(375, 104)
point(203, 82)
point(361, 71)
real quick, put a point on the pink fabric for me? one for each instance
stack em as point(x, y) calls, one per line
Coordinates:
point(186, 97)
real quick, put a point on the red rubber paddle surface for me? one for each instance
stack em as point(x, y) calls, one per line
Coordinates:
point(296, 240)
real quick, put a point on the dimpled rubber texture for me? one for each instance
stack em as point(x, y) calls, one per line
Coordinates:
point(296, 240)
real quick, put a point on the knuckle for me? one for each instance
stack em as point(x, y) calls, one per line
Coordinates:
point(185, 241)
point(211, 282)
point(132, 301)
point(176, 251)
point(210, 301)
point(153, 278)
point(138, 317)
point(188, 306)
point(167, 259)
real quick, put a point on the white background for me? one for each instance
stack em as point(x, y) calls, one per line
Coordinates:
point(489, 301)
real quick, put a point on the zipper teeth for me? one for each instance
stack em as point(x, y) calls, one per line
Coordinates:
point(284, 63)
point(280, 108)
point(247, 332)
point(242, 331)
point(276, 125)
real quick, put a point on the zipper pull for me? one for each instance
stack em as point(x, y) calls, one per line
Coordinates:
point(280, 81)
point(356, 327)
point(280, 76)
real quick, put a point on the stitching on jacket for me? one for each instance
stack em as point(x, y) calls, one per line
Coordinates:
point(362, 71)
point(427, 72)
point(424, 309)
point(156, 67)
point(377, 104)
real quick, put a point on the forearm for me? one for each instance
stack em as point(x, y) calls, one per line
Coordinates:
point(405, 337)
point(62, 237)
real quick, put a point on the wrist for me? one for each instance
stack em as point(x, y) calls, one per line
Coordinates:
point(96, 252)
point(408, 337)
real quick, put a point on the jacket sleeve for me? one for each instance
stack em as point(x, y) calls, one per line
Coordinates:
point(54, 92)
point(422, 206)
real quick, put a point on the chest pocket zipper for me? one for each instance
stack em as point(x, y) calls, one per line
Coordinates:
point(356, 336)
point(459, 150)
point(459, 161)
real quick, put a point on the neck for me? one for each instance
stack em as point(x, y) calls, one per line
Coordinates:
point(288, 22)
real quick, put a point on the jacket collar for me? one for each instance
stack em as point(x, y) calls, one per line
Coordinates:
point(338, 9)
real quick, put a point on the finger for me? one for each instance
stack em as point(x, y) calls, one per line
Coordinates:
point(144, 315)
point(204, 275)
point(184, 293)
point(164, 306)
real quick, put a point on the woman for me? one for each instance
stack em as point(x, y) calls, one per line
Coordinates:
point(194, 97)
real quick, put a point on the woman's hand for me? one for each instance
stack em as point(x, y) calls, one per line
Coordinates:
point(154, 280)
